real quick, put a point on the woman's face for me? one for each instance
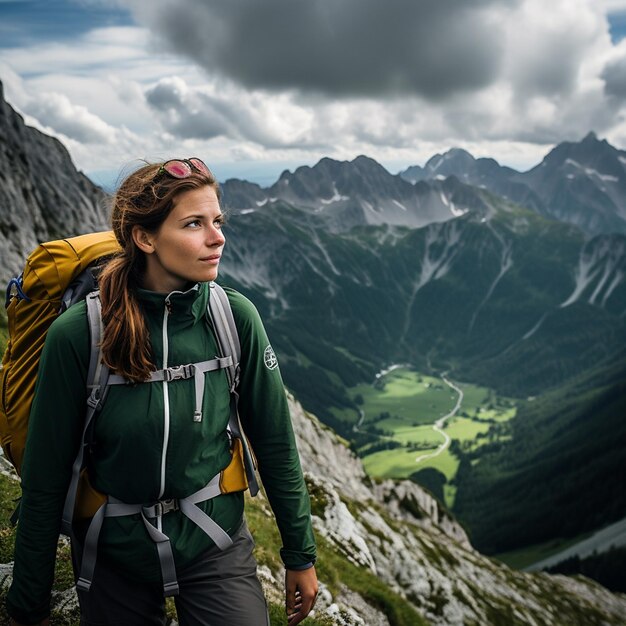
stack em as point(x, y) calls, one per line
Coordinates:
point(187, 246)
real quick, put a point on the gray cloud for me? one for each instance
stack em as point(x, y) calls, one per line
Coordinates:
point(545, 58)
point(614, 76)
point(340, 48)
point(192, 113)
point(185, 116)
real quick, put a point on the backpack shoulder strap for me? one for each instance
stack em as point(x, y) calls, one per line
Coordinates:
point(225, 330)
point(223, 323)
point(94, 317)
point(97, 386)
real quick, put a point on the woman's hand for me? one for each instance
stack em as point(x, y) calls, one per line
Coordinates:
point(45, 622)
point(301, 592)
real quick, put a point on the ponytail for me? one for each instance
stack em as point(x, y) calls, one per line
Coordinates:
point(126, 340)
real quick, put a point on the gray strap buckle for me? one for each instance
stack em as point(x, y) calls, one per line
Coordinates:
point(93, 401)
point(179, 372)
point(164, 506)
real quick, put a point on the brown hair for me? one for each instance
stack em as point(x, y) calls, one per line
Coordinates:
point(145, 198)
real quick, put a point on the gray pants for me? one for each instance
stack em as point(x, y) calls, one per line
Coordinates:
point(220, 588)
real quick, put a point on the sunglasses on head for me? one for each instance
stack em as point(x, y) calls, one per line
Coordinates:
point(183, 168)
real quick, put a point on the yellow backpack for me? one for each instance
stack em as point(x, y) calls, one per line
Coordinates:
point(54, 277)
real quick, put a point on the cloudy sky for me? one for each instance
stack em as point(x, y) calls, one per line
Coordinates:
point(257, 86)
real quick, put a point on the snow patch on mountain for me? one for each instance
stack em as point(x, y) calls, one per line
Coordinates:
point(535, 328)
point(589, 171)
point(336, 197)
point(436, 260)
point(601, 259)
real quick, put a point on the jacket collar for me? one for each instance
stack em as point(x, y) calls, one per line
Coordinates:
point(193, 301)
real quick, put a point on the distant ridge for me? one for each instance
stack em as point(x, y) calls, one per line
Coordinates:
point(581, 183)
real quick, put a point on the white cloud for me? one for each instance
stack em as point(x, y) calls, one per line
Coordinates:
point(115, 46)
point(74, 121)
point(611, 5)
point(214, 110)
point(548, 44)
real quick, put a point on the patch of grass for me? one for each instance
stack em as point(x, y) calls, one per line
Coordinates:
point(9, 493)
point(63, 572)
point(407, 396)
point(462, 428)
point(263, 528)
point(319, 499)
point(398, 463)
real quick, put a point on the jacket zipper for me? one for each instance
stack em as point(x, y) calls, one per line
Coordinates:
point(166, 398)
point(166, 406)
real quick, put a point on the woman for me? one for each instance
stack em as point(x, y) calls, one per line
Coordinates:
point(148, 445)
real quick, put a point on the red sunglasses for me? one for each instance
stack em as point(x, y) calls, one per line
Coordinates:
point(183, 168)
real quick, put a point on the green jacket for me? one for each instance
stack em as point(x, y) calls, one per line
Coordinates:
point(148, 447)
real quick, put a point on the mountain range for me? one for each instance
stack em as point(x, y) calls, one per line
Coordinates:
point(498, 293)
point(581, 183)
point(512, 280)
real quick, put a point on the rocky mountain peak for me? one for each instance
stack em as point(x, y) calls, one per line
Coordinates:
point(454, 162)
point(331, 171)
point(451, 162)
point(590, 152)
point(591, 137)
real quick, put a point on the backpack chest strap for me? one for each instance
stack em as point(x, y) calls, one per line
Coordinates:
point(182, 372)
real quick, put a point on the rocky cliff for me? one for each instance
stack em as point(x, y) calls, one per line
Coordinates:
point(42, 196)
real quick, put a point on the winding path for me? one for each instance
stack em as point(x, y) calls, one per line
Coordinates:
point(439, 424)
point(355, 428)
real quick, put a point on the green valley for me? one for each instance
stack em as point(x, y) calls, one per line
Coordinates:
point(394, 429)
